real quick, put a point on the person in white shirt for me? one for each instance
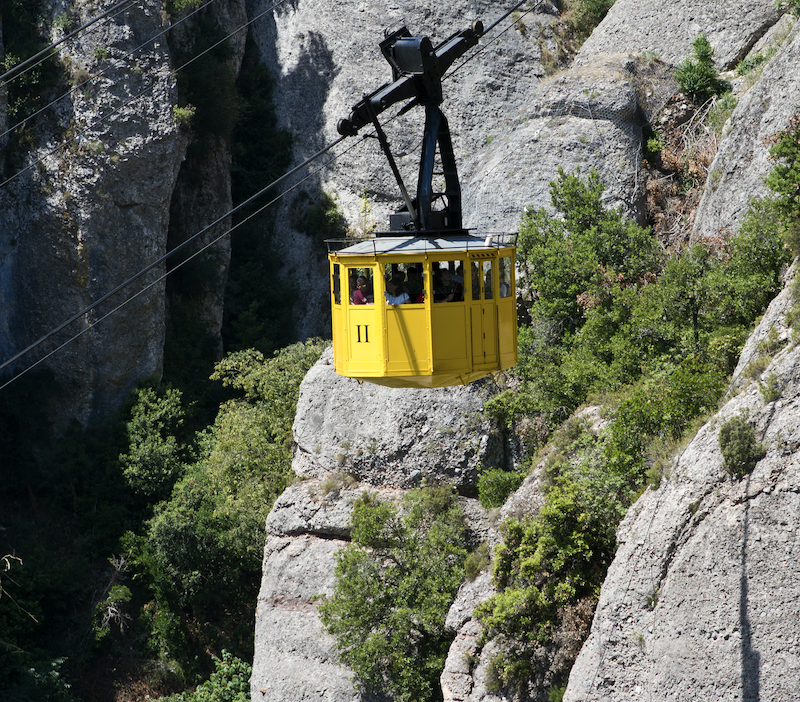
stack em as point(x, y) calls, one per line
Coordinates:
point(395, 292)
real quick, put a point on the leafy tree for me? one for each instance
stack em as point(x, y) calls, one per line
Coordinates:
point(154, 457)
point(207, 537)
point(698, 78)
point(608, 312)
point(394, 585)
point(585, 271)
point(230, 682)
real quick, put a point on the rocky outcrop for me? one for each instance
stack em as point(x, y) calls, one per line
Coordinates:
point(79, 220)
point(352, 437)
point(393, 437)
point(742, 162)
point(294, 657)
point(702, 597)
point(667, 31)
point(203, 189)
point(589, 117)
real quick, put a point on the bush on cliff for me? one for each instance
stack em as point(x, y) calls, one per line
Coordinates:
point(656, 334)
point(394, 586)
point(207, 537)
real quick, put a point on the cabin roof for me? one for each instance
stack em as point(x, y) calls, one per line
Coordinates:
point(417, 244)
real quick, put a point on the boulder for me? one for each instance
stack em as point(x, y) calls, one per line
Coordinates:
point(667, 31)
point(589, 117)
point(393, 437)
point(294, 658)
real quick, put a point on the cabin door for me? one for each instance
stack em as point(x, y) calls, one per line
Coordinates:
point(483, 312)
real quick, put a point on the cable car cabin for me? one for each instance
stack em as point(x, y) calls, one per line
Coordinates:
point(424, 312)
point(427, 305)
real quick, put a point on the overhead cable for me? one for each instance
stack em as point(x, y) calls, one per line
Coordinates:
point(103, 118)
point(36, 59)
point(181, 263)
point(103, 71)
point(163, 258)
point(485, 46)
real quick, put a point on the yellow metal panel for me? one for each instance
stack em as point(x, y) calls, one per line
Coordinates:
point(451, 343)
point(507, 331)
point(407, 339)
point(364, 338)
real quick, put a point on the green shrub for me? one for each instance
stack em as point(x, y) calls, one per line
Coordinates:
point(740, 450)
point(184, 115)
point(154, 458)
point(230, 682)
point(750, 63)
point(394, 586)
point(585, 15)
point(496, 484)
point(698, 77)
point(477, 561)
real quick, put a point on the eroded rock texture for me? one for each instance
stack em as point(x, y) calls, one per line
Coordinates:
point(86, 206)
point(353, 437)
point(77, 222)
point(702, 598)
point(668, 29)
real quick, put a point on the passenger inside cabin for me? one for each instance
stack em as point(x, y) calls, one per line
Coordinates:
point(360, 294)
point(415, 286)
point(447, 289)
point(395, 291)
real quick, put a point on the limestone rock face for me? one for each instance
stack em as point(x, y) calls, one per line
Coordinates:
point(79, 221)
point(702, 599)
point(203, 190)
point(588, 117)
point(294, 657)
point(742, 162)
point(668, 30)
point(351, 438)
point(393, 437)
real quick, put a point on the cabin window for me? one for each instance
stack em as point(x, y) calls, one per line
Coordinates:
point(475, 277)
point(505, 276)
point(488, 274)
point(405, 282)
point(448, 281)
point(337, 285)
point(362, 291)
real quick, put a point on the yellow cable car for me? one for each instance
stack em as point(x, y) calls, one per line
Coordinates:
point(427, 304)
point(396, 321)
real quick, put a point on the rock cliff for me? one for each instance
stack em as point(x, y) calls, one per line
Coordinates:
point(689, 606)
point(352, 437)
point(78, 219)
point(702, 597)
